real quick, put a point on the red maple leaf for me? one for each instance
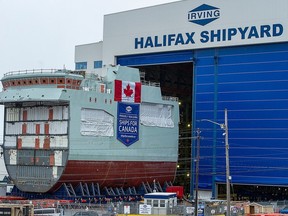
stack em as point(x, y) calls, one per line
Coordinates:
point(128, 91)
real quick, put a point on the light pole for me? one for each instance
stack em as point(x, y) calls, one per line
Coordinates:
point(225, 128)
point(197, 173)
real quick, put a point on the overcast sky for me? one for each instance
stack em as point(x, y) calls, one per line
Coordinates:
point(43, 34)
point(37, 34)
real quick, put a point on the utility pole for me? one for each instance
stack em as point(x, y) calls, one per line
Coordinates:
point(227, 164)
point(225, 128)
point(197, 172)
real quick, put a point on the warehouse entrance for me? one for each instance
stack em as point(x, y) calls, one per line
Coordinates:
point(253, 193)
point(174, 72)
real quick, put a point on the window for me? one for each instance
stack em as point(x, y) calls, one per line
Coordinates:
point(149, 202)
point(81, 65)
point(155, 203)
point(162, 203)
point(47, 211)
point(97, 64)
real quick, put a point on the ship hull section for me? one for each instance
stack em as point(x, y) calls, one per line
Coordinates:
point(117, 173)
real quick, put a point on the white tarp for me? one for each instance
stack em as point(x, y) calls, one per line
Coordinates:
point(157, 115)
point(96, 123)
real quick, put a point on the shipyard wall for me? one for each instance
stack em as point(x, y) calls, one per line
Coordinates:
point(89, 57)
point(238, 53)
point(190, 25)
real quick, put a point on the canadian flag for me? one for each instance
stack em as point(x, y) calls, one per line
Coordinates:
point(127, 91)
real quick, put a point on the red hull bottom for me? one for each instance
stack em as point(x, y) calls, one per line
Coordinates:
point(117, 173)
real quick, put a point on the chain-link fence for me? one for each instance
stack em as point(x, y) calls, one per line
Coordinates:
point(120, 208)
point(114, 208)
point(111, 209)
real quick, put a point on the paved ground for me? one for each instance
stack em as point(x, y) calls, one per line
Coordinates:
point(101, 212)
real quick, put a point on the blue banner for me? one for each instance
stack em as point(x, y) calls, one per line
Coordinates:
point(128, 123)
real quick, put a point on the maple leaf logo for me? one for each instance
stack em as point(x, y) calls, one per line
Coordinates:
point(128, 91)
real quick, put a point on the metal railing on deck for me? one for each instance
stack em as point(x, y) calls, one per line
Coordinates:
point(170, 98)
point(149, 83)
point(41, 71)
point(20, 72)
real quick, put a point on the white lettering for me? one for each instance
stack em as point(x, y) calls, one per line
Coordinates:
point(199, 15)
point(128, 129)
point(212, 36)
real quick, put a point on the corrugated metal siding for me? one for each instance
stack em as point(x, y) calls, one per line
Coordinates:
point(30, 141)
point(251, 82)
point(156, 58)
point(10, 141)
point(38, 113)
point(43, 157)
point(59, 142)
point(35, 113)
point(12, 114)
point(26, 172)
point(25, 157)
point(13, 128)
point(58, 127)
point(65, 112)
point(60, 113)
point(31, 128)
point(27, 141)
point(41, 141)
point(53, 127)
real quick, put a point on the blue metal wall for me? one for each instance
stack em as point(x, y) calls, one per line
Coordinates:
point(252, 83)
point(156, 58)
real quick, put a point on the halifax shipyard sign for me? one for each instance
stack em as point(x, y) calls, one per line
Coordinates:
point(204, 15)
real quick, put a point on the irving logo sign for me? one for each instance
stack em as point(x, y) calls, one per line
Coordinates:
point(203, 14)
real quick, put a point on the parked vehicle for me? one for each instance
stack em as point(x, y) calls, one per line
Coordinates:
point(86, 213)
point(47, 212)
point(16, 209)
point(284, 210)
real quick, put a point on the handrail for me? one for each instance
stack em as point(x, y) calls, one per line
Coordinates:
point(149, 83)
point(170, 98)
point(31, 71)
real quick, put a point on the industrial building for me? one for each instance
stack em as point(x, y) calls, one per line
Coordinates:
point(213, 55)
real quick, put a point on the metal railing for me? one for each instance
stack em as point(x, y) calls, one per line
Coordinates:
point(36, 71)
point(149, 83)
point(170, 98)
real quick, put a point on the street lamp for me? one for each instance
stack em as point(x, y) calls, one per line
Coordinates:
point(225, 128)
point(197, 173)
